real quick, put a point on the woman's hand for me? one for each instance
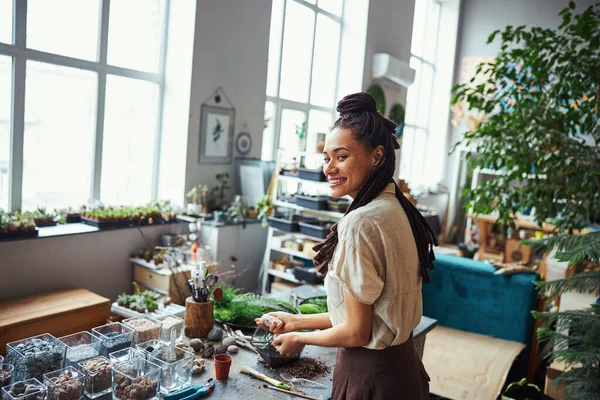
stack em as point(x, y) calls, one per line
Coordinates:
point(288, 344)
point(286, 325)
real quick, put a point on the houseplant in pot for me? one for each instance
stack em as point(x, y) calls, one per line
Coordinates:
point(541, 101)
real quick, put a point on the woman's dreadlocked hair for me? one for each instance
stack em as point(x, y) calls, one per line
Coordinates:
point(358, 112)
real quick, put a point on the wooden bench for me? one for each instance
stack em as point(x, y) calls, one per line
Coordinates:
point(59, 313)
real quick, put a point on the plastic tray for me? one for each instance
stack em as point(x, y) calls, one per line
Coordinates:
point(312, 202)
point(312, 174)
point(315, 229)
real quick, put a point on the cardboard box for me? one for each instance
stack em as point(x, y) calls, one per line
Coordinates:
point(467, 366)
point(557, 392)
point(307, 250)
point(514, 252)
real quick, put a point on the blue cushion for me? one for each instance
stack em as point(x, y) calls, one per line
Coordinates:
point(466, 295)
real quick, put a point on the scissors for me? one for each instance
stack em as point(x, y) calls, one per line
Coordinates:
point(210, 281)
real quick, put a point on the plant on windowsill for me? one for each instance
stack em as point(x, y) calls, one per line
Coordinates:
point(221, 189)
point(198, 200)
point(541, 100)
point(237, 212)
point(264, 206)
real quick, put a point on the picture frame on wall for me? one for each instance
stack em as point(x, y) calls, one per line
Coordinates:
point(216, 135)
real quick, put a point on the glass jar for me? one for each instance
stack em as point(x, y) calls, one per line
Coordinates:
point(81, 346)
point(35, 356)
point(64, 384)
point(145, 329)
point(98, 376)
point(6, 374)
point(137, 379)
point(114, 336)
point(176, 367)
point(170, 323)
point(28, 389)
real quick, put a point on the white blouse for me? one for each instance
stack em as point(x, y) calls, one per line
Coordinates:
point(376, 262)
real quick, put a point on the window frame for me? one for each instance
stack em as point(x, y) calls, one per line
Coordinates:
point(20, 54)
point(305, 108)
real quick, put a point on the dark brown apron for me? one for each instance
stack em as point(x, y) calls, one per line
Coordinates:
point(392, 373)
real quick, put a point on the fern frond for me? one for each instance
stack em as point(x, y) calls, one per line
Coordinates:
point(571, 248)
point(584, 282)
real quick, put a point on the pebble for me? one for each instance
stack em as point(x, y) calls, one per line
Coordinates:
point(145, 329)
point(220, 350)
point(64, 387)
point(5, 377)
point(140, 388)
point(228, 341)
point(209, 351)
point(268, 320)
point(81, 353)
point(233, 349)
point(184, 347)
point(215, 334)
point(35, 358)
point(197, 345)
point(97, 375)
point(116, 341)
point(19, 389)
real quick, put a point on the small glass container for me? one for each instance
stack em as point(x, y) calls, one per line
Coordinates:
point(35, 356)
point(1, 359)
point(170, 323)
point(64, 384)
point(137, 379)
point(145, 329)
point(123, 355)
point(114, 336)
point(81, 346)
point(176, 367)
point(6, 374)
point(29, 389)
point(98, 376)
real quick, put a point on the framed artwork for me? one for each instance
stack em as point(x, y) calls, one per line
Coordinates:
point(243, 142)
point(216, 135)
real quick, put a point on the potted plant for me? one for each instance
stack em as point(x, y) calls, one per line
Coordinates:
point(237, 211)
point(219, 191)
point(540, 98)
point(197, 196)
point(264, 206)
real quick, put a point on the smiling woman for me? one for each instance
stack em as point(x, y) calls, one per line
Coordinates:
point(375, 260)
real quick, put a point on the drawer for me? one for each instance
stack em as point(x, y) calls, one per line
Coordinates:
point(151, 279)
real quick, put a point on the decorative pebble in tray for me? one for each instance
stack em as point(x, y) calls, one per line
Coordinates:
point(30, 389)
point(6, 373)
point(138, 380)
point(65, 384)
point(81, 346)
point(35, 356)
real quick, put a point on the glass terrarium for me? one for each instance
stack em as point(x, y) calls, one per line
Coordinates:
point(35, 356)
point(176, 367)
point(98, 376)
point(64, 384)
point(147, 348)
point(114, 336)
point(6, 374)
point(145, 329)
point(137, 379)
point(81, 346)
point(123, 355)
point(170, 325)
point(29, 389)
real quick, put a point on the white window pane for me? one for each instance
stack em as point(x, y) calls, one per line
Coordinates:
point(433, 24)
point(134, 34)
point(6, 12)
point(297, 52)
point(313, 2)
point(269, 131)
point(419, 33)
point(291, 120)
point(128, 147)
point(319, 124)
point(66, 27)
point(425, 83)
point(406, 155)
point(412, 97)
point(274, 47)
point(5, 121)
point(327, 46)
point(332, 6)
point(60, 122)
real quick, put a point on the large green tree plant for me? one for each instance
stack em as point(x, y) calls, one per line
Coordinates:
point(540, 99)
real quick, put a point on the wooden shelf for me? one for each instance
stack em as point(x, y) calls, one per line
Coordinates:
point(293, 206)
point(299, 235)
point(291, 252)
point(301, 180)
point(290, 278)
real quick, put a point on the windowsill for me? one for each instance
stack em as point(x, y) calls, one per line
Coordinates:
point(72, 229)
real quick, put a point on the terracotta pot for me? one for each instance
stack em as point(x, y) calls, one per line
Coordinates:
point(222, 366)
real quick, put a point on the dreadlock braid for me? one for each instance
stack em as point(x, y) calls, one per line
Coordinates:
point(358, 112)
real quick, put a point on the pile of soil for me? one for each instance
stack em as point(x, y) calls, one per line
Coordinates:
point(307, 368)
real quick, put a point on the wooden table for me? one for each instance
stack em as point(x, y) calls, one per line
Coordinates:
point(241, 386)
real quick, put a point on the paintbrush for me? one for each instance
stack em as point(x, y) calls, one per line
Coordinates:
point(291, 392)
point(249, 371)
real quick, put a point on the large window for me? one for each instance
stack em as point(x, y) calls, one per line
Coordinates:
point(80, 101)
point(302, 78)
point(415, 165)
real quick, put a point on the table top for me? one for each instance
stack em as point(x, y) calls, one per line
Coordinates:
point(243, 386)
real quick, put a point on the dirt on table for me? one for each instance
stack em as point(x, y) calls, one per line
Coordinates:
point(305, 367)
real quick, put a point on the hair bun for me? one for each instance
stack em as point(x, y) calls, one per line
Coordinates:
point(357, 103)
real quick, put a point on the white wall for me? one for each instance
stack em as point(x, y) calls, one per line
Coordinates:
point(230, 50)
point(478, 19)
point(97, 261)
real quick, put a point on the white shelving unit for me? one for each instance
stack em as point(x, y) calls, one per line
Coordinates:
point(276, 236)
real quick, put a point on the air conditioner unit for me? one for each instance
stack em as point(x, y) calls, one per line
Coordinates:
point(392, 69)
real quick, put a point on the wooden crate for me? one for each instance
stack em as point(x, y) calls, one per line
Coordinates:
point(59, 313)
